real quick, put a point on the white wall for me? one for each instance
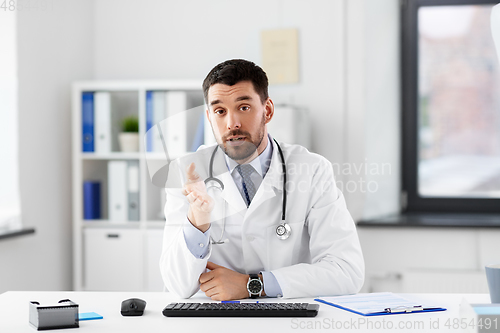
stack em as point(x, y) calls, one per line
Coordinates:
point(185, 39)
point(372, 184)
point(54, 49)
point(10, 201)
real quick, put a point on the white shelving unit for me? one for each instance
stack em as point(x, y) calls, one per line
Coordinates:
point(119, 255)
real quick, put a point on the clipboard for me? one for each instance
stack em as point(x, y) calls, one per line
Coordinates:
point(377, 304)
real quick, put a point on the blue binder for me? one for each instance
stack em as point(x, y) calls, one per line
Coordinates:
point(199, 136)
point(91, 200)
point(149, 120)
point(88, 122)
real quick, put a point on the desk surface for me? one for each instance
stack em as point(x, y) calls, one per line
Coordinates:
point(14, 315)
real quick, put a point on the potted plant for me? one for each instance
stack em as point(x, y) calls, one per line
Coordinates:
point(129, 137)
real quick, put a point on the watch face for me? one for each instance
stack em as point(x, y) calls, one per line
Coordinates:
point(255, 286)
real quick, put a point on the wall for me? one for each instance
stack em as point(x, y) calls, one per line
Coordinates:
point(185, 39)
point(372, 149)
point(10, 200)
point(54, 48)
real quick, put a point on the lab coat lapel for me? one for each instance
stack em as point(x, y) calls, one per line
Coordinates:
point(272, 182)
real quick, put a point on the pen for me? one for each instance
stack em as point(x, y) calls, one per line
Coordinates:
point(400, 309)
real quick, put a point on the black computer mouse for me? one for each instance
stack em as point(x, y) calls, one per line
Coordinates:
point(133, 307)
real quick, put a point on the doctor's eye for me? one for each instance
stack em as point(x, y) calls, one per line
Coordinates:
point(219, 111)
point(245, 108)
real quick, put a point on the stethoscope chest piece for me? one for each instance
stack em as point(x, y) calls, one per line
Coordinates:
point(283, 231)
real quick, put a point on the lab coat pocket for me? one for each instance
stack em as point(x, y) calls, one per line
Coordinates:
point(283, 252)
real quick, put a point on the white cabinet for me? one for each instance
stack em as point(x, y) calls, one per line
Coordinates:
point(123, 253)
point(113, 260)
point(154, 240)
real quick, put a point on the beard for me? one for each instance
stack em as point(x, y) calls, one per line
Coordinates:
point(247, 148)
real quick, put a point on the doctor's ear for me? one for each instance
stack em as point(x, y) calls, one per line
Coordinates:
point(208, 115)
point(269, 110)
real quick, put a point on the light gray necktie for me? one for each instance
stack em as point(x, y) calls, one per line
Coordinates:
point(245, 170)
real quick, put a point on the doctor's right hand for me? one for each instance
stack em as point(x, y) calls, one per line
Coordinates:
point(200, 203)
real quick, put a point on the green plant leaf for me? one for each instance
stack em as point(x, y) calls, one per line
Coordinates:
point(130, 124)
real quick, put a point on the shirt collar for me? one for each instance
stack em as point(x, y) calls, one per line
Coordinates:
point(260, 163)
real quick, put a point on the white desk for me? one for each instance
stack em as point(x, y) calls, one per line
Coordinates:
point(14, 315)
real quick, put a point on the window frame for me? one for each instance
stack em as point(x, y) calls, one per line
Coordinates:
point(412, 202)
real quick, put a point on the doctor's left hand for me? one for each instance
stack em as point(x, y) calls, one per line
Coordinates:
point(223, 284)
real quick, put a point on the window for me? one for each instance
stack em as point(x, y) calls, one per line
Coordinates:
point(451, 107)
point(10, 208)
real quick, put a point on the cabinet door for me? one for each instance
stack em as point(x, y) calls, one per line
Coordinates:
point(154, 246)
point(113, 260)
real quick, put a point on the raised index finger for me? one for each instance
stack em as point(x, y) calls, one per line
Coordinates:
point(192, 175)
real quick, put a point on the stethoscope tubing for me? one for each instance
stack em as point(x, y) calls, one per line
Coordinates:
point(283, 208)
point(283, 225)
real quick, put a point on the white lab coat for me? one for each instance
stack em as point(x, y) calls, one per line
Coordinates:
point(322, 256)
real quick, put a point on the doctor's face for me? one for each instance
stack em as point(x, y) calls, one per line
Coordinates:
point(238, 118)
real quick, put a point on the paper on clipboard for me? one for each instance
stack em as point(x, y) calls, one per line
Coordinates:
point(375, 304)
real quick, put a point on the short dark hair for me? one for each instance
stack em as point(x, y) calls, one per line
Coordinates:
point(234, 71)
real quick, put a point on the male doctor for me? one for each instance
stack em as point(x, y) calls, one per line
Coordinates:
point(240, 253)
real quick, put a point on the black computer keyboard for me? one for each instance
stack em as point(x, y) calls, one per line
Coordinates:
point(241, 310)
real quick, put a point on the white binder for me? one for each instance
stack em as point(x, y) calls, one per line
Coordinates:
point(133, 190)
point(176, 106)
point(117, 191)
point(159, 116)
point(102, 116)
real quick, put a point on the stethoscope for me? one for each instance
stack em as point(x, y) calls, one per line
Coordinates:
point(283, 230)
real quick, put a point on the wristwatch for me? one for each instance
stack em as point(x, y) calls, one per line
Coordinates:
point(254, 286)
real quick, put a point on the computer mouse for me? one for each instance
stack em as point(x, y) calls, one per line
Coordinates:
point(133, 307)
